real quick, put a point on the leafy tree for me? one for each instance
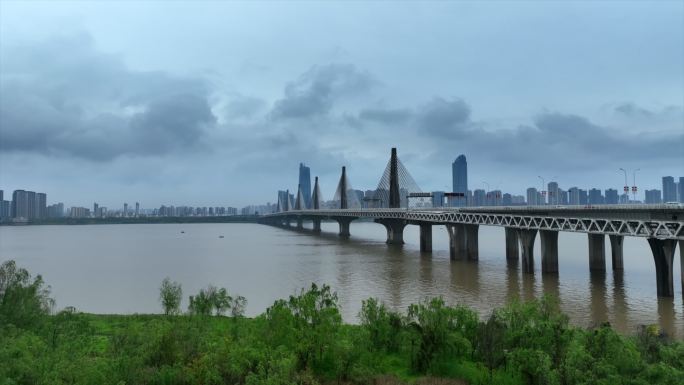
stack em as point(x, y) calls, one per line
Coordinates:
point(440, 331)
point(490, 343)
point(201, 304)
point(384, 326)
point(237, 306)
point(220, 300)
point(170, 294)
point(23, 301)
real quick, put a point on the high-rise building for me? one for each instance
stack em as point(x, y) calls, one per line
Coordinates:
point(562, 197)
point(611, 196)
point(573, 196)
point(19, 208)
point(532, 197)
point(680, 189)
point(583, 199)
point(305, 184)
point(479, 197)
point(96, 209)
point(32, 204)
point(283, 202)
point(652, 196)
point(595, 197)
point(459, 175)
point(137, 209)
point(669, 189)
point(125, 210)
point(507, 199)
point(552, 197)
point(41, 205)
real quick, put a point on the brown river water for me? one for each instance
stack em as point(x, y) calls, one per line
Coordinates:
point(118, 269)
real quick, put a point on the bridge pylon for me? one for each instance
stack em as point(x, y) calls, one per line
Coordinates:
point(316, 196)
point(342, 188)
point(394, 195)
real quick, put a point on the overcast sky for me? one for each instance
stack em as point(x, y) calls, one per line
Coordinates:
point(216, 103)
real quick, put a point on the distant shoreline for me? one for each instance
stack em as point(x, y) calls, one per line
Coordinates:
point(140, 220)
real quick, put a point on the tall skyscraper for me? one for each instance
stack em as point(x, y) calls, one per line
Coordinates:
point(305, 184)
point(459, 175)
point(125, 210)
point(137, 209)
point(669, 189)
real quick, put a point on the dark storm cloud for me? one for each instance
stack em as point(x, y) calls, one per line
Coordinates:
point(444, 117)
point(567, 141)
point(63, 97)
point(315, 92)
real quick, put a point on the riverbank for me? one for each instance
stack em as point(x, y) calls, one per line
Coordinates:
point(302, 340)
point(133, 220)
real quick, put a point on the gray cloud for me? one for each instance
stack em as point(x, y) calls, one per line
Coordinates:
point(444, 117)
point(63, 97)
point(243, 107)
point(315, 92)
point(386, 116)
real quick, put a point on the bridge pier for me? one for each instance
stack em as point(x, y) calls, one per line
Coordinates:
point(472, 247)
point(663, 255)
point(512, 253)
point(395, 230)
point(316, 225)
point(526, 238)
point(457, 242)
point(616, 251)
point(300, 223)
point(344, 226)
point(549, 251)
point(597, 252)
point(425, 237)
point(681, 262)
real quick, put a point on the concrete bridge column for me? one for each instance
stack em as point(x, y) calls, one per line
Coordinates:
point(316, 225)
point(597, 252)
point(681, 262)
point(663, 255)
point(426, 237)
point(512, 253)
point(526, 238)
point(472, 246)
point(300, 223)
point(344, 226)
point(457, 242)
point(549, 251)
point(616, 251)
point(395, 230)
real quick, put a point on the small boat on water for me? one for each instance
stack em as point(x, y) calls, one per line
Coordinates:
point(182, 232)
point(220, 236)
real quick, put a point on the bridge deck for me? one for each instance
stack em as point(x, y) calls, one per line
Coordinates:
point(649, 221)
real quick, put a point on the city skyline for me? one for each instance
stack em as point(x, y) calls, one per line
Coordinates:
point(158, 122)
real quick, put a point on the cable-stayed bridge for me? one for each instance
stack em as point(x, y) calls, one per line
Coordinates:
point(661, 225)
